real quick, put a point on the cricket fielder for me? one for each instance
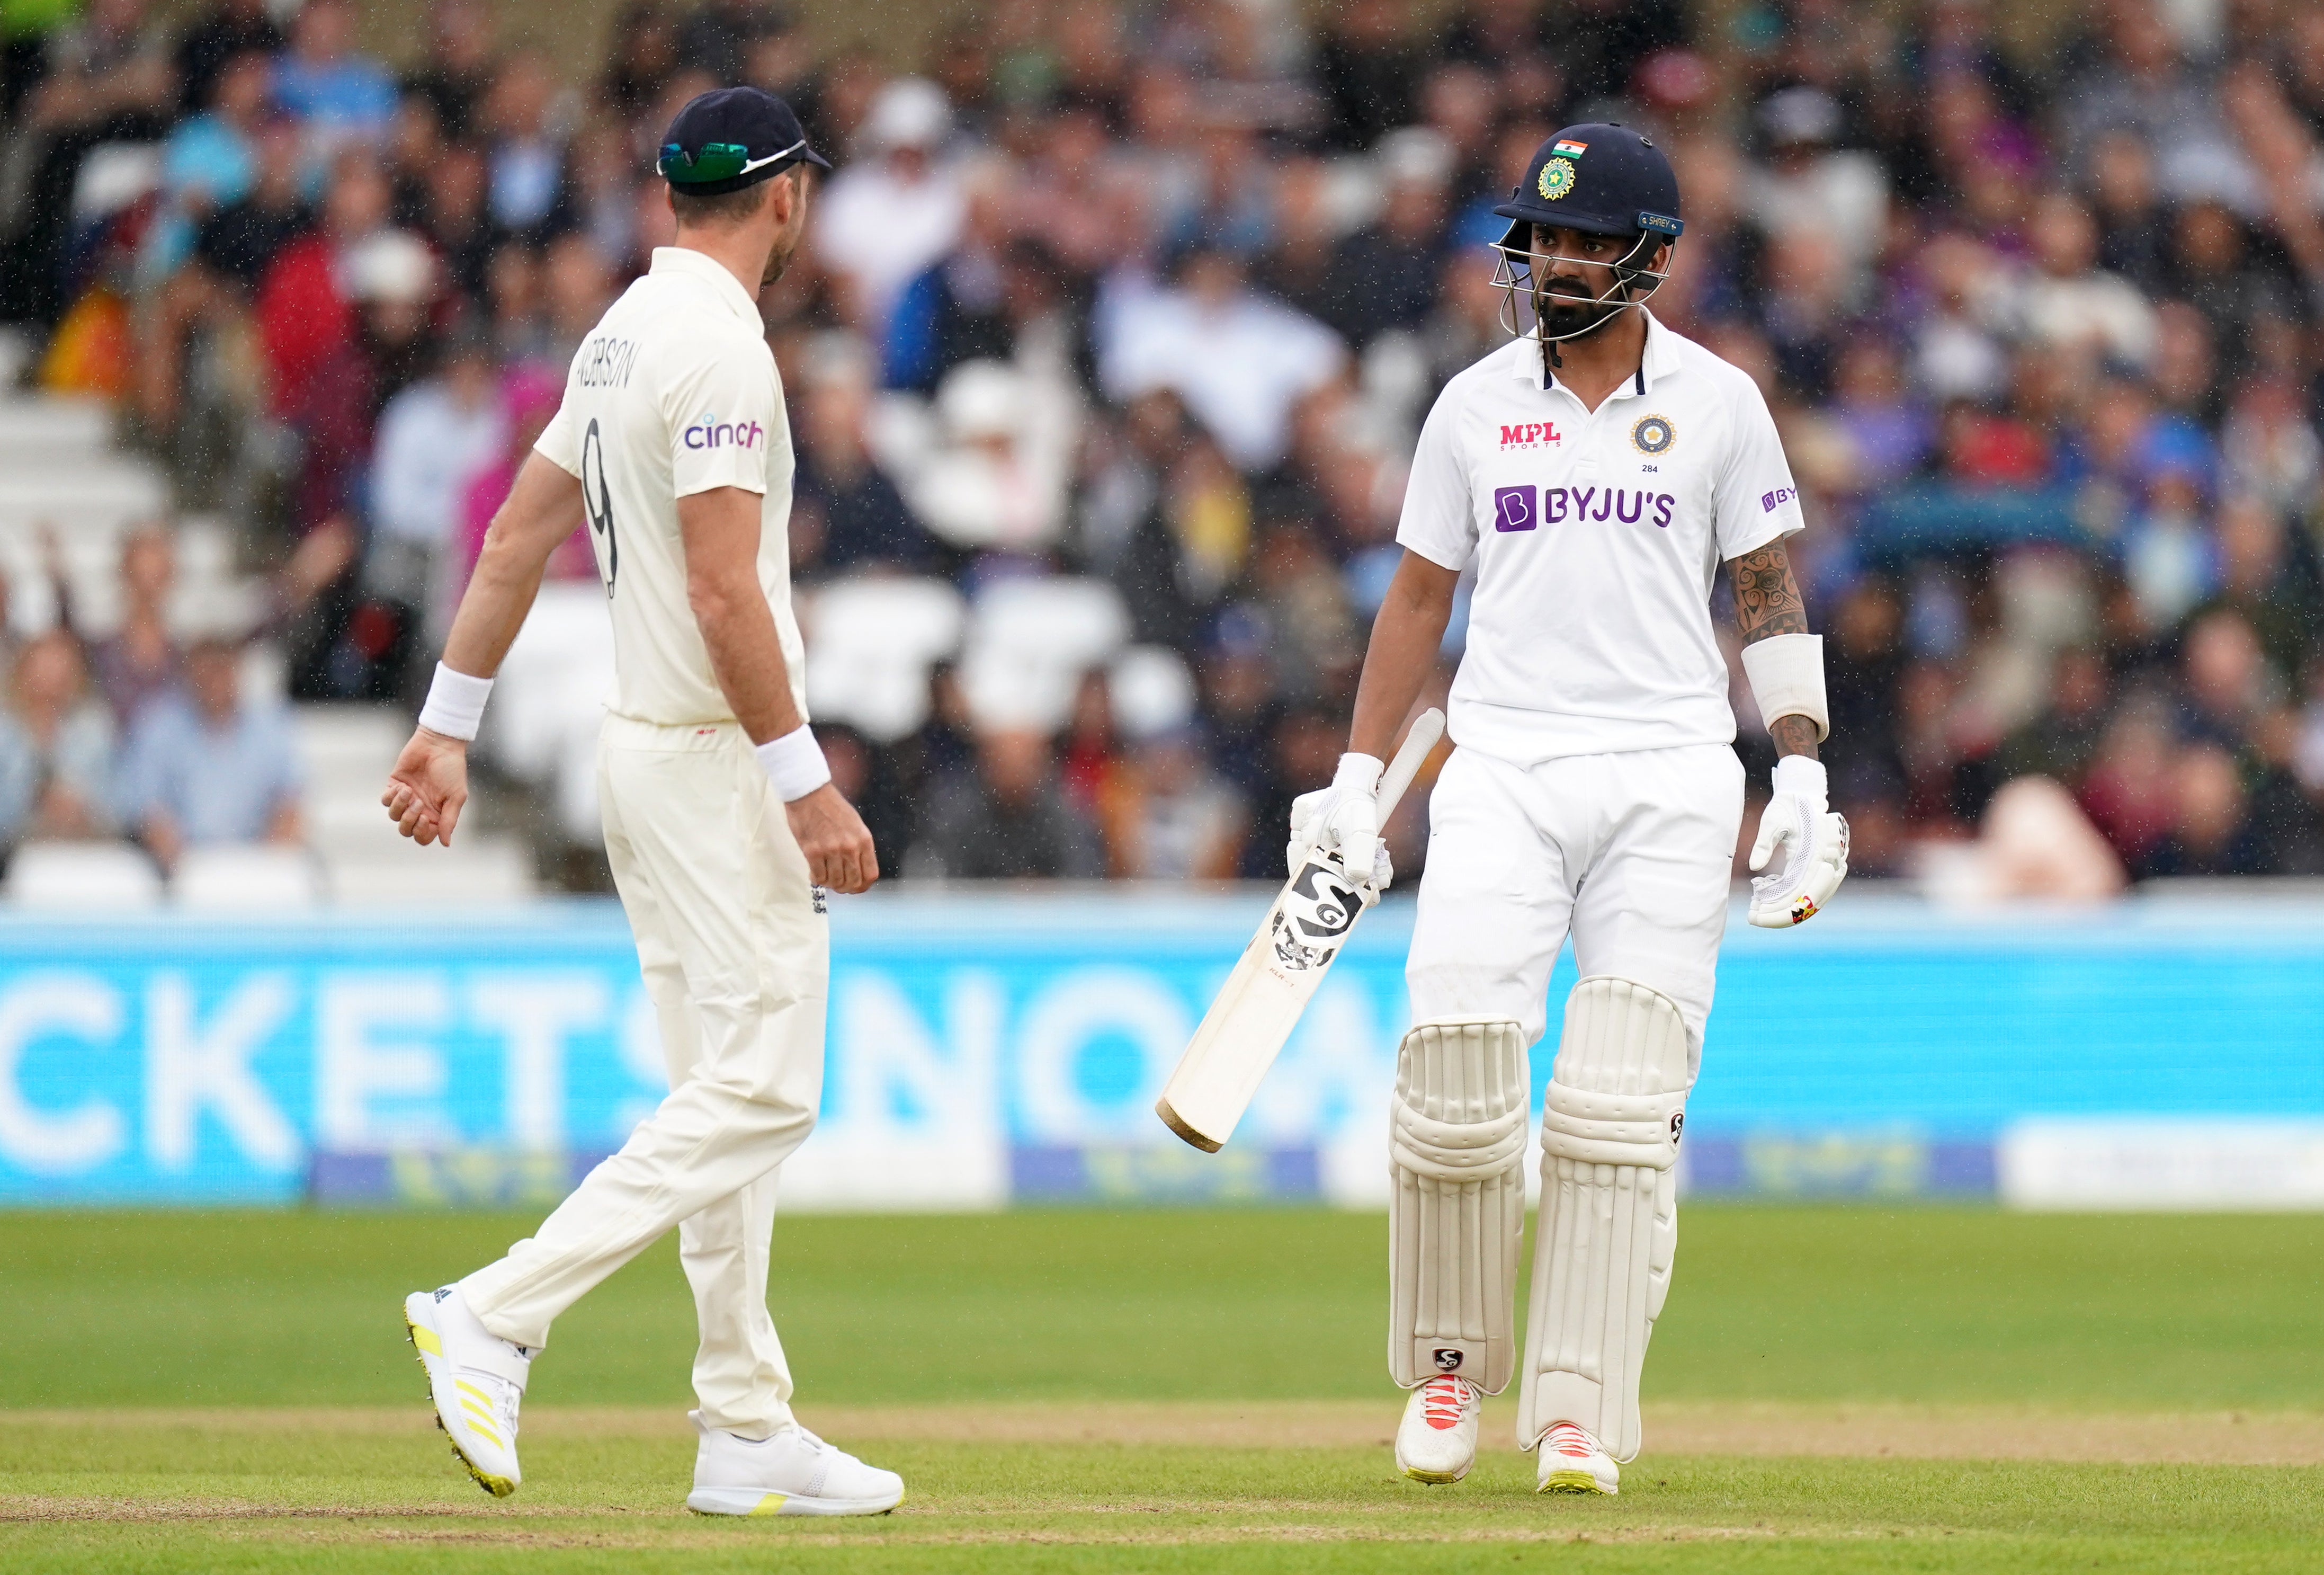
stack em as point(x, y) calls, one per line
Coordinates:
point(722, 826)
point(1596, 471)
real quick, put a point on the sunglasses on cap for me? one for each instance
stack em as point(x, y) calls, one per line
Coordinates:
point(717, 161)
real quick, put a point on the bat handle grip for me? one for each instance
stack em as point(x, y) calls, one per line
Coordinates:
point(1426, 729)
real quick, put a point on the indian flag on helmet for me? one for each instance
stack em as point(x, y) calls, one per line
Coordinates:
point(1567, 148)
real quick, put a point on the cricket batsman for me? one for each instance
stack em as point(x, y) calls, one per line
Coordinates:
point(722, 826)
point(1596, 471)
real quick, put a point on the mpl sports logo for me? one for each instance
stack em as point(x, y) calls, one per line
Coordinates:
point(710, 432)
point(1529, 435)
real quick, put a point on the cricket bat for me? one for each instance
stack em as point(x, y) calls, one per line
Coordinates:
point(1261, 1004)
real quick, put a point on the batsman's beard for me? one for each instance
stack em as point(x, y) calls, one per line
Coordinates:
point(1574, 314)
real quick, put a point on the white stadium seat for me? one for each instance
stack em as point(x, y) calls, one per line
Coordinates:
point(479, 869)
point(1030, 641)
point(870, 643)
point(554, 683)
point(53, 432)
point(247, 880)
point(83, 877)
point(1153, 693)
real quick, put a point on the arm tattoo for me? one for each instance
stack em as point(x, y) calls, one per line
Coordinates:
point(1793, 736)
point(1767, 599)
point(1768, 603)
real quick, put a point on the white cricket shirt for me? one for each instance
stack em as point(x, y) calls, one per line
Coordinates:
point(674, 392)
point(1596, 536)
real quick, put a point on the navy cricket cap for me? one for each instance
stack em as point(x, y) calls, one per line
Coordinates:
point(730, 138)
point(1598, 178)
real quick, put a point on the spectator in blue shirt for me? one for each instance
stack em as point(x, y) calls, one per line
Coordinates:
point(56, 748)
point(203, 768)
point(337, 95)
point(211, 163)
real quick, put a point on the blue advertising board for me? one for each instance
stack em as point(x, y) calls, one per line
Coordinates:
point(984, 1049)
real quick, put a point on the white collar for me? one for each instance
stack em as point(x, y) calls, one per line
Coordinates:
point(701, 266)
point(1658, 360)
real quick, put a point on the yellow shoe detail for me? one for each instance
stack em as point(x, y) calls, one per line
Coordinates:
point(478, 1395)
point(773, 1503)
point(1569, 1482)
point(426, 1340)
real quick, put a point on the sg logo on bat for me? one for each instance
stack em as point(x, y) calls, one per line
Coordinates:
point(1317, 910)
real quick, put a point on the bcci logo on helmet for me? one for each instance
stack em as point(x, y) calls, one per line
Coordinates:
point(1556, 178)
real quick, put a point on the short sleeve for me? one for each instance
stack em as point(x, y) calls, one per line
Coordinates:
point(1438, 521)
point(723, 414)
point(1757, 502)
point(559, 442)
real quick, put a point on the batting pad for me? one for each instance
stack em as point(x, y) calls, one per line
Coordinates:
point(1456, 1161)
point(1609, 1228)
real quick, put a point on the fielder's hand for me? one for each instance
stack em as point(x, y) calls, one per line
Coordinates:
point(1815, 843)
point(427, 788)
point(839, 852)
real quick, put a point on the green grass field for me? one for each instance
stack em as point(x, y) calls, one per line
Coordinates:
point(1832, 1389)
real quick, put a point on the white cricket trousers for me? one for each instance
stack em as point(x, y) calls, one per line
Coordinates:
point(1632, 853)
point(737, 961)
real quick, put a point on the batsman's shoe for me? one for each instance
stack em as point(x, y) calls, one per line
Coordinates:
point(478, 1380)
point(1574, 1461)
point(1436, 1442)
point(794, 1472)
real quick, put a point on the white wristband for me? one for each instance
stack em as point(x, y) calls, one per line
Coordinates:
point(1359, 772)
point(456, 704)
point(1786, 674)
point(1803, 778)
point(793, 762)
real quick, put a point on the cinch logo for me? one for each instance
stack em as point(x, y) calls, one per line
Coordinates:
point(1770, 501)
point(1525, 434)
point(710, 432)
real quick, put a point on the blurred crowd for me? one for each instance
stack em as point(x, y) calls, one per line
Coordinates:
point(1156, 294)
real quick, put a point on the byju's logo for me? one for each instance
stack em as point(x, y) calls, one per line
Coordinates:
point(1769, 502)
point(710, 432)
point(1513, 509)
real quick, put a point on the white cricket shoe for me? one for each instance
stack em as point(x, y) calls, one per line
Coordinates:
point(794, 1472)
point(476, 1379)
point(1436, 1442)
point(1573, 1461)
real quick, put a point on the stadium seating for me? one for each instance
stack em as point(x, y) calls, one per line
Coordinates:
point(1030, 641)
point(346, 752)
point(83, 877)
point(257, 881)
point(870, 643)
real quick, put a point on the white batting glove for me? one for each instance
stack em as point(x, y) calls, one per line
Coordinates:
point(1345, 818)
point(1798, 819)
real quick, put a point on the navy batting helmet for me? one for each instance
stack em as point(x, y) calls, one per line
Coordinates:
point(1598, 179)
